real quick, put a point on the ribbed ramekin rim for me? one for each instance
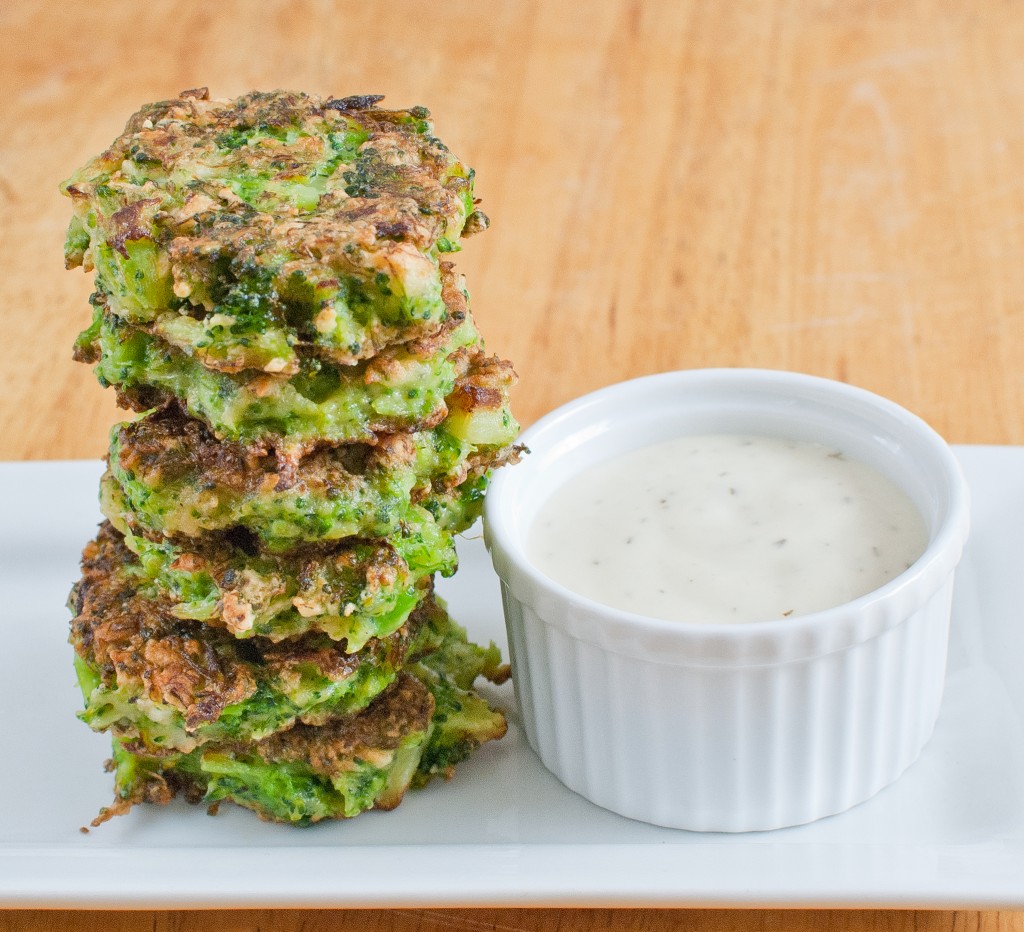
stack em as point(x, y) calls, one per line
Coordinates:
point(927, 572)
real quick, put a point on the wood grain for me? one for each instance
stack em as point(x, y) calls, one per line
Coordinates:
point(831, 187)
point(510, 920)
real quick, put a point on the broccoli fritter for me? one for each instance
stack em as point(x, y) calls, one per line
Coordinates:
point(177, 480)
point(170, 684)
point(415, 730)
point(351, 591)
point(425, 534)
point(403, 388)
point(250, 229)
point(316, 407)
point(303, 775)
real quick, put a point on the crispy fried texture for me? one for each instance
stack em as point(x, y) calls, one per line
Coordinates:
point(289, 137)
point(136, 642)
point(205, 344)
point(132, 641)
point(333, 748)
point(453, 375)
point(377, 395)
point(168, 447)
point(347, 589)
point(403, 708)
point(308, 210)
point(483, 390)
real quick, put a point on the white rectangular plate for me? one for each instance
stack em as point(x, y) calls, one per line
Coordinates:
point(949, 834)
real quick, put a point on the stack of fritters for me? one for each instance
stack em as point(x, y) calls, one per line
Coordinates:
point(317, 420)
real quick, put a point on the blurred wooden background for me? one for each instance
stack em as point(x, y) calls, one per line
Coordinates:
point(831, 187)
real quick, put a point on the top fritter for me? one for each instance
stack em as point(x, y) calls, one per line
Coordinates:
point(277, 225)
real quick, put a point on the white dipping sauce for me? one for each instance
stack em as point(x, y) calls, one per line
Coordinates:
point(727, 528)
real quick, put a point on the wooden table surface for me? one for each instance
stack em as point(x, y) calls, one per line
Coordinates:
point(831, 187)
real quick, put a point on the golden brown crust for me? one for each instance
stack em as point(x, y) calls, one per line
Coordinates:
point(485, 385)
point(135, 641)
point(403, 709)
point(127, 636)
point(178, 165)
point(168, 446)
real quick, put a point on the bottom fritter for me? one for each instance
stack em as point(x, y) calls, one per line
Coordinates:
point(420, 727)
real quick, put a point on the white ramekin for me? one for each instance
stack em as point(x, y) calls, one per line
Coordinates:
point(729, 727)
